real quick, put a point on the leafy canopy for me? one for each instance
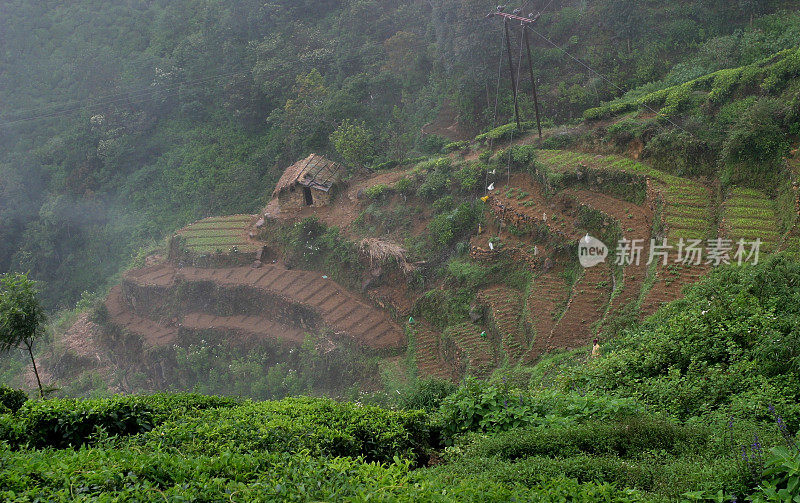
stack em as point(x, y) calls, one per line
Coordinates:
point(21, 314)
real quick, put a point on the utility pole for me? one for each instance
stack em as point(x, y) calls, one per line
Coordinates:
point(513, 77)
point(514, 84)
point(533, 80)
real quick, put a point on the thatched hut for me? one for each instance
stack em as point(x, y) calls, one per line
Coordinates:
point(310, 182)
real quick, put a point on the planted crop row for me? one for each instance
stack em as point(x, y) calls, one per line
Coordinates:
point(751, 234)
point(749, 213)
point(745, 192)
point(218, 234)
point(699, 212)
point(750, 223)
point(749, 202)
point(675, 222)
point(199, 233)
point(228, 218)
point(687, 234)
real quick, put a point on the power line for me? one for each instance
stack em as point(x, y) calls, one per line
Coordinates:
point(601, 76)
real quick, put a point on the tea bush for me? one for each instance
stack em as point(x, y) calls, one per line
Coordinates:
point(103, 474)
point(70, 423)
point(320, 426)
point(483, 407)
point(426, 394)
point(629, 437)
point(12, 399)
point(732, 343)
point(505, 132)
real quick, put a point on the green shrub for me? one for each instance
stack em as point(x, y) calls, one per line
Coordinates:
point(146, 475)
point(630, 437)
point(478, 406)
point(377, 191)
point(10, 430)
point(443, 204)
point(386, 166)
point(782, 476)
point(778, 75)
point(447, 227)
point(70, 423)
point(12, 399)
point(730, 344)
point(404, 186)
point(456, 146)
point(431, 144)
point(558, 141)
point(470, 176)
point(426, 394)
point(624, 131)
point(505, 132)
point(755, 147)
point(322, 426)
point(434, 186)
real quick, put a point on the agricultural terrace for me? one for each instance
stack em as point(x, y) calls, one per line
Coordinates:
point(772, 74)
point(749, 214)
point(219, 234)
point(688, 205)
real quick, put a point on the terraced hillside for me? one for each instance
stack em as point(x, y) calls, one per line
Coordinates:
point(268, 302)
point(506, 319)
point(748, 215)
point(790, 242)
point(536, 216)
point(473, 349)
point(428, 353)
point(547, 302)
point(220, 234)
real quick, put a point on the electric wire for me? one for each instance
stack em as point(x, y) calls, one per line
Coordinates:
point(602, 77)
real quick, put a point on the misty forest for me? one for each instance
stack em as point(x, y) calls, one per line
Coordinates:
point(410, 250)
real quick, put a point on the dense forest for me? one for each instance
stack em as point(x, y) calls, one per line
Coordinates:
point(122, 121)
point(424, 331)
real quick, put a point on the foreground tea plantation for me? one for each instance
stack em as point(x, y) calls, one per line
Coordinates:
point(699, 403)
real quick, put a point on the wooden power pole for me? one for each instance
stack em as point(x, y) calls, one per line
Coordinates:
point(513, 77)
point(514, 84)
point(533, 80)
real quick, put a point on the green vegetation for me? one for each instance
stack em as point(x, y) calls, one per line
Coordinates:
point(354, 142)
point(123, 123)
point(22, 317)
point(663, 415)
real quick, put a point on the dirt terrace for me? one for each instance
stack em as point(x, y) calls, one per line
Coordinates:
point(338, 309)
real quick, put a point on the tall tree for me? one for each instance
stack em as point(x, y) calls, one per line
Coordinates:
point(21, 316)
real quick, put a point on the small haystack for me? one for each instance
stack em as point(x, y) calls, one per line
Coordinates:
point(384, 251)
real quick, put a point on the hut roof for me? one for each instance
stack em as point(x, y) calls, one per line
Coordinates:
point(313, 171)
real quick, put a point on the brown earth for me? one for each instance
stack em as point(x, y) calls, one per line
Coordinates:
point(636, 223)
point(428, 352)
point(340, 310)
point(585, 308)
point(505, 311)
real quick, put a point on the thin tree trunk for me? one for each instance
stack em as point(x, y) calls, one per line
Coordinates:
point(35, 370)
